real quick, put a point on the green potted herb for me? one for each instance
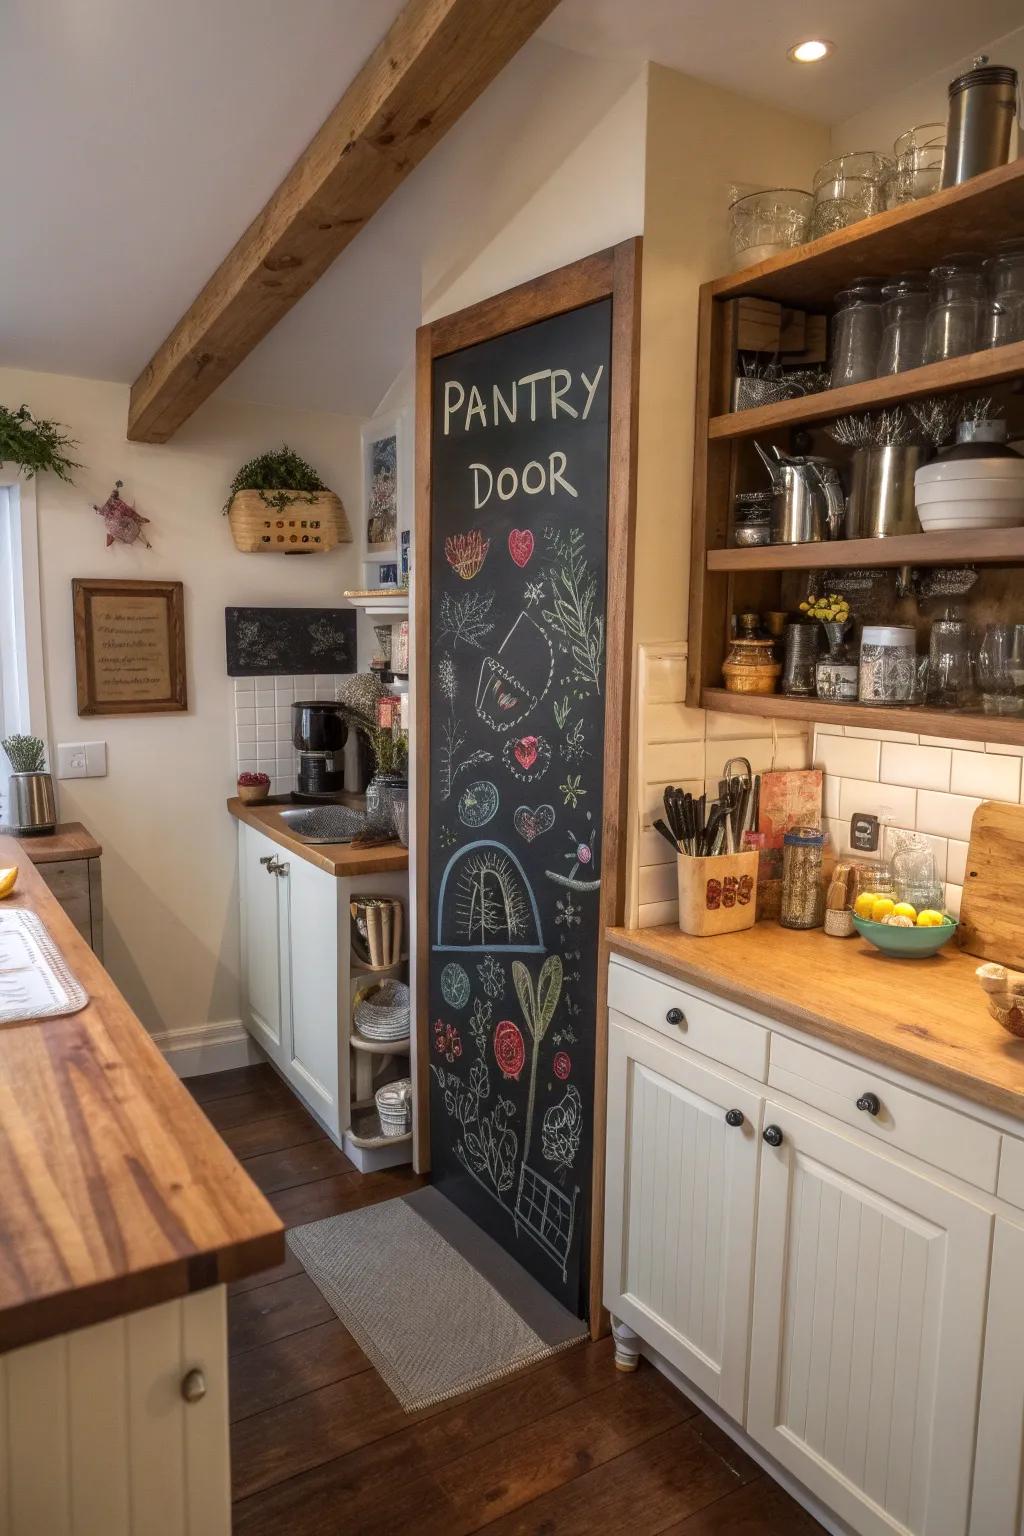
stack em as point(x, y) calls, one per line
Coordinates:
point(32, 806)
point(278, 504)
point(37, 447)
point(389, 783)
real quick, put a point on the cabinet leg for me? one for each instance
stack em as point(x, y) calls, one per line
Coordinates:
point(627, 1346)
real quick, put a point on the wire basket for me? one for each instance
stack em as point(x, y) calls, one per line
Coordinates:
point(394, 1107)
point(382, 1011)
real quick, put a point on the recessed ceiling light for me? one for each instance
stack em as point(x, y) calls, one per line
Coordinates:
point(811, 51)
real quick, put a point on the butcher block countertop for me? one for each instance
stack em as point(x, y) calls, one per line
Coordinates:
point(115, 1191)
point(335, 858)
point(70, 840)
point(928, 1017)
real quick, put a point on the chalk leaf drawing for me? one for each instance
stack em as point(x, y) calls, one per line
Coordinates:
point(531, 824)
point(516, 678)
point(453, 739)
point(538, 1006)
point(562, 1129)
point(527, 758)
point(509, 1049)
point(480, 1024)
point(478, 803)
point(466, 552)
point(520, 546)
point(486, 902)
point(492, 976)
point(575, 614)
point(465, 619)
point(455, 985)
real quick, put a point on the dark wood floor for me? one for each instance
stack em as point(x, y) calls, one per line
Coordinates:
point(321, 1446)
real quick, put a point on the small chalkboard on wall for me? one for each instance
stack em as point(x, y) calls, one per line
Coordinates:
point(525, 411)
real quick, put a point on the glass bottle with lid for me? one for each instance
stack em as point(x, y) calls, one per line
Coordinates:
point(904, 308)
point(803, 899)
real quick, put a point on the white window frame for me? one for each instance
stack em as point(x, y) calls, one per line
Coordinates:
point(22, 686)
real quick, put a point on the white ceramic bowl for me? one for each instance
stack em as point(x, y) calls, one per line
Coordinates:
point(969, 494)
point(944, 470)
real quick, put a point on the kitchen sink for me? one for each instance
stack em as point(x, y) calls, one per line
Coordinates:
point(324, 823)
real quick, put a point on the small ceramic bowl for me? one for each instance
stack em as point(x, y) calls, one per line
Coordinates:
point(909, 943)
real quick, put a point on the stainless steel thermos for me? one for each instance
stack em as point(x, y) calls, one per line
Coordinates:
point(982, 107)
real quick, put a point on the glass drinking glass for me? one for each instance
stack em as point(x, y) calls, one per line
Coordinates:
point(954, 311)
point(904, 310)
point(762, 224)
point(1000, 667)
point(1003, 316)
point(849, 188)
point(917, 172)
point(856, 334)
point(950, 664)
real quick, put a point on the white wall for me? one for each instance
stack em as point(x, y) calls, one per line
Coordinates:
point(171, 932)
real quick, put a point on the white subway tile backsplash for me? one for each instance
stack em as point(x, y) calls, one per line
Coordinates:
point(245, 735)
point(945, 815)
point(873, 735)
point(952, 741)
point(245, 685)
point(830, 789)
point(893, 804)
point(954, 895)
point(265, 715)
point(956, 861)
point(671, 761)
point(829, 730)
point(986, 775)
point(244, 715)
point(920, 767)
point(847, 758)
point(674, 722)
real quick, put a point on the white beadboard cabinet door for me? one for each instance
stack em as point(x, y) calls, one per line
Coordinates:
point(261, 942)
point(998, 1502)
point(311, 983)
point(97, 1438)
point(868, 1320)
point(679, 1213)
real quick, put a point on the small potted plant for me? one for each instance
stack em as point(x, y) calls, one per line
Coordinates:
point(253, 788)
point(37, 447)
point(278, 504)
point(32, 805)
point(389, 782)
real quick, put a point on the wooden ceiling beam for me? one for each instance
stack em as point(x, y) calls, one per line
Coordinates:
point(435, 61)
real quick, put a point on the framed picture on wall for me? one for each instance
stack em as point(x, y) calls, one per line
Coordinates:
point(129, 647)
point(386, 485)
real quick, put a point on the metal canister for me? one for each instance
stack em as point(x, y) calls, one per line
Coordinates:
point(881, 500)
point(982, 107)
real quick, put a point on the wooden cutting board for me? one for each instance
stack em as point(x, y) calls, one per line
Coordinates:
point(992, 911)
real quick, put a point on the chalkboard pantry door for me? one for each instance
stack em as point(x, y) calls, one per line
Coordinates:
point(518, 632)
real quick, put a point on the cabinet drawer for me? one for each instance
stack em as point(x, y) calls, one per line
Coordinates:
point(905, 1119)
point(1011, 1172)
point(704, 1026)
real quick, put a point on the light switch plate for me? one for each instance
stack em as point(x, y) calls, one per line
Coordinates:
point(81, 759)
point(95, 759)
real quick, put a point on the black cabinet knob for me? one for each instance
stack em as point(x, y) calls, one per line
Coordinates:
point(772, 1135)
point(869, 1103)
point(734, 1117)
point(675, 1016)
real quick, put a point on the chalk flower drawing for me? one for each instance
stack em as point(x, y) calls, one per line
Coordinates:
point(572, 790)
point(446, 1040)
point(489, 1146)
point(562, 1129)
point(533, 593)
point(466, 552)
point(480, 1024)
point(465, 618)
point(492, 976)
point(574, 614)
point(567, 913)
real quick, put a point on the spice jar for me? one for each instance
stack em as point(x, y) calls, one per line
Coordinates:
point(803, 900)
point(888, 664)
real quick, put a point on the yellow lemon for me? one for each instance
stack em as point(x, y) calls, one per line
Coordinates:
point(904, 909)
point(930, 919)
point(8, 877)
point(864, 904)
point(882, 908)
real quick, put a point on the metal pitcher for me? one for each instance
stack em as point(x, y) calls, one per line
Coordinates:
point(808, 505)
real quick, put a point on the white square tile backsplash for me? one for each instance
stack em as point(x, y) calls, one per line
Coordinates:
point(263, 723)
point(927, 784)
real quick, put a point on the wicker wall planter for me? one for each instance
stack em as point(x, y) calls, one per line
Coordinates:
point(303, 524)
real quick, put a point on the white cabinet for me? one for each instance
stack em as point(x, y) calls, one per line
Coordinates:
point(120, 1429)
point(682, 1170)
point(869, 1307)
point(997, 1508)
point(262, 941)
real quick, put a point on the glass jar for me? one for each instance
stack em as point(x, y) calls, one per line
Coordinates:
point(803, 899)
point(849, 188)
point(1003, 317)
point(954, 309)
point(950, 664)
point(764, 224)
point(888, 664)
point(1000, 666)
point(875, 876)
point(856, 335)
point(917, 171)
point(904, 308)
point(915, 873)
point(381, 793)
point(803, 644)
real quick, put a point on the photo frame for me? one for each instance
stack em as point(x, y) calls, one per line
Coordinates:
point(387, 486)
point(129, 647)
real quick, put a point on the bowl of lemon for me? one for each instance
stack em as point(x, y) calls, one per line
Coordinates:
point(898, 928)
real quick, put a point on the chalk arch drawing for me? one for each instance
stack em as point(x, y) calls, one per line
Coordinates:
point(516, 678)
point(486, 902)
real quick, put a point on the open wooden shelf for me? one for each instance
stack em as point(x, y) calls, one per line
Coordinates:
point(961, 546)
point(399, 1047)
point(917, 718)
point(972, 218)
point(973, 371)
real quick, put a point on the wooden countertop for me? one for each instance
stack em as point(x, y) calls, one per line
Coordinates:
point(335, 858)
point(926, 1017)
point(115, 1191)
point(69, 841)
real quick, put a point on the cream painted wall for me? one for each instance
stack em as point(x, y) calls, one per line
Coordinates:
point(169, 878)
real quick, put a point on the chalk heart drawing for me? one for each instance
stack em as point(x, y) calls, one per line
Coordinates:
point(478, 803)
point(533, 823)
point(527, 757)
point(520, 546)
point(525, 750)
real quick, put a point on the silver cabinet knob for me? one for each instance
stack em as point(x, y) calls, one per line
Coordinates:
point(267, 860)
point(193, 1385)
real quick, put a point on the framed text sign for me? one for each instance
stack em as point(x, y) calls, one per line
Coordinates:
point(525, 410)
point(129, 647)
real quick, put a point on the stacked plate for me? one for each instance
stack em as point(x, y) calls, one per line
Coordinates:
point(970, 493)
point(382, 1011)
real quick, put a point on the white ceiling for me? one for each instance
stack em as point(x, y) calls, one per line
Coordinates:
point(143, 135)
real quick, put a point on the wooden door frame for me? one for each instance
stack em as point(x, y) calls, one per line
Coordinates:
point(613, 273)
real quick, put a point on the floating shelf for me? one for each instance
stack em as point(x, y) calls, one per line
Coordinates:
point(400, 1047)
point(379, 602)
point(363, 968)
point(919, 719)
point(959, 547)
point(974, 371)
point(363, 1134)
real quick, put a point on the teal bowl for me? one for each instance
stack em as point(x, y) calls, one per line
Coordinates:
point(909, 943)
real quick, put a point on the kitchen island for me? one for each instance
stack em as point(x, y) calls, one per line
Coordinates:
point(122, 1217)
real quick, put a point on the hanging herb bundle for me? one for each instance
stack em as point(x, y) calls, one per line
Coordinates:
point(37, 447)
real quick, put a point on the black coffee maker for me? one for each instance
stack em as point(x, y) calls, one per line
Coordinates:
point(319, 732)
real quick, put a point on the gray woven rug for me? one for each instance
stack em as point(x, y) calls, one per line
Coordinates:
point(427, 1318)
